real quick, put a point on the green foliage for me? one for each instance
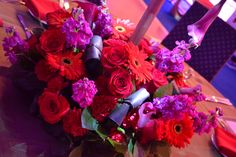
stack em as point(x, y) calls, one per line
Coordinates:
point(164, 91)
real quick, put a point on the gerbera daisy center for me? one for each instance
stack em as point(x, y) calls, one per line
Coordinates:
point(136, 63)
point(66, 61)
point(178, 128)
point(120, 29)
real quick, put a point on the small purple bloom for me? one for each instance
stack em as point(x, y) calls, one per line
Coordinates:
point(173, 106)
point(173, 61)
point(84, 91)
point(103, 24)
point(78, 33)
point(13, 44)
point(204, 123)
point(195, 93)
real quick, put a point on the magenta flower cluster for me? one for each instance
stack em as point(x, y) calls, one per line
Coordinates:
point(174, 107)
point(84, 91)
point(13, 45)
point(103, 24)
point(203, 123)
point(173, 61)
point(78, 32)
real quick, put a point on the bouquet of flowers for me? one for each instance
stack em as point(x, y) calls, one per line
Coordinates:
point(99, 86)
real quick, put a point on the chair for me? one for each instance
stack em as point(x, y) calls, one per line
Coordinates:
point(218, 45)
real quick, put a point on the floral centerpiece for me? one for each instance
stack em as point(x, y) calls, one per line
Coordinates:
point(92, 80)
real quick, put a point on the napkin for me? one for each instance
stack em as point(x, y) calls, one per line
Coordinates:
point(226, 142)
point(41, 8)
point(1, 23)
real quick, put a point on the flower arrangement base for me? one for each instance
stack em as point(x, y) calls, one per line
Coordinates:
point(94, 149)
point(159, 149)
point(155, 149)
point(101, 149)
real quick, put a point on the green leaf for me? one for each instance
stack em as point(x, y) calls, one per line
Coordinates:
point(131, 146)
point(103, 136)
point(164, 90)
point(121, 130)
point(75, 50)
point(88, 122)
point(119, 147)
point(134, 85)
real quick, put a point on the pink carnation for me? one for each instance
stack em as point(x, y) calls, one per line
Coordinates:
point(83, 92)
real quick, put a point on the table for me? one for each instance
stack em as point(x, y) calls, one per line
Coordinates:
point(23, 134)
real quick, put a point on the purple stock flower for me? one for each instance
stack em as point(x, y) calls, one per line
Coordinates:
point(173, 61)
point(204, 123)
point(198, 30)
point(195, 93)
point(13, 44)
point(78, 33)
point(103, 24)
point(83, 92)
point(174, 106)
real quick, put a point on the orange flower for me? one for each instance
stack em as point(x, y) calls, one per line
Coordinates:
point(69, 64)
point(179, 132)
point(140, 68)
point(122, 29)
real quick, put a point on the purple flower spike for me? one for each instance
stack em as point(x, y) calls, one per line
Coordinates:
point(83, 92)
point(103, 24)
point(13, 45)
point(198, 30)
point(78, 32)
point(174, 106)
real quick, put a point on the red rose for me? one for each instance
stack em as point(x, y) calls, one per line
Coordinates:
point(154, 130)
point(72, 123)
point(43, 71)
point(114, 54)
point(102, 106)
point(159, 79)
point(145, 47)
point(52, 41)
point(57, 18)
point(120, 83)
point(56, 84)
point(52, 107)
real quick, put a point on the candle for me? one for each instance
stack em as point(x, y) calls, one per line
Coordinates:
point(146, 20)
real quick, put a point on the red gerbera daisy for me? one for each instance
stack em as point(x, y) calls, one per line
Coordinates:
point(179, 132)
point(140, 68)
point(122, 29)
point(69, 64)
point(57, 18)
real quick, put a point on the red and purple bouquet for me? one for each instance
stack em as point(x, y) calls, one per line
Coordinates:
point(92, 80)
